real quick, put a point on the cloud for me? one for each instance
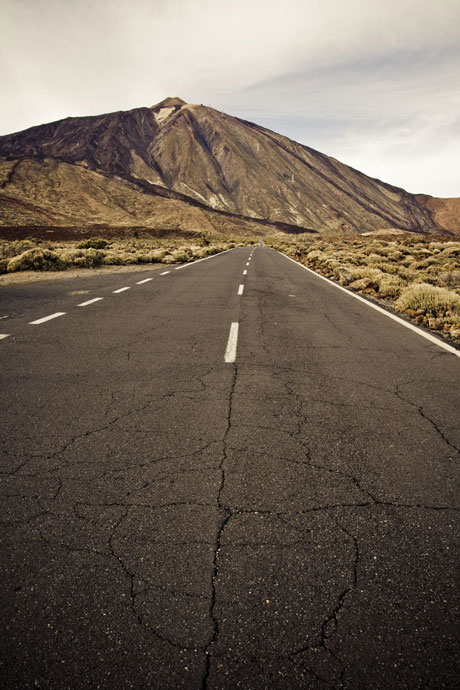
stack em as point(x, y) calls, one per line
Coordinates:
point(344, 75)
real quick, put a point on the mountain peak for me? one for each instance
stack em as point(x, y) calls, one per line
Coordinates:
point(167, 107)
point(174, 102)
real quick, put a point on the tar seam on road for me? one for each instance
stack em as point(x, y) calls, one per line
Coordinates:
point(410, 326)
point(47, 318)
point(146, 280)
point(230, 350)
point(90, 301)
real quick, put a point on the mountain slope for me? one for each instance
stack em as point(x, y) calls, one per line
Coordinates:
point(202, 157)
point(47, 192)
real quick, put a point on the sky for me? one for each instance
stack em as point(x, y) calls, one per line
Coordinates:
point(374, 84)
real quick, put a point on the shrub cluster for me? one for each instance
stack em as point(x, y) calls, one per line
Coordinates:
point(36, 255)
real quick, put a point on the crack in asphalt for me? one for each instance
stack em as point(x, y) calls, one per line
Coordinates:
point(421, 412)
point(332, 323)
point(329, 626)
point(225, 514)
point(133, 594)
point(114, 423)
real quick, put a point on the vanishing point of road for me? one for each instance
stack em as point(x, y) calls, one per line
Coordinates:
point(229, 474)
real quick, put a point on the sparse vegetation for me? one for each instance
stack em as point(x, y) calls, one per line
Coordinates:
point(417, 275)
point(93, 243)
point(39, 255)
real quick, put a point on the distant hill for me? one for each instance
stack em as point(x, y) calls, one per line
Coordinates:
point(192, 167)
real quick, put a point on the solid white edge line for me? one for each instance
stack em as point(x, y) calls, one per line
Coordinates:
point(205, 258)
point(241, 289)
point(146, 280)
point(398, 319)
point(230, 350)
point(90, 301)
point(3, 336)
point(120, 290)
point(165, 273)
point(47, 318)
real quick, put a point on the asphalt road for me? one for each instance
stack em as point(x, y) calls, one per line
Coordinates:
point(171, 519)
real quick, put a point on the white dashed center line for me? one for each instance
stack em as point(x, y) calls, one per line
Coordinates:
point(241, 289)
point(230, 351)
point(205, 258)
point(146, 280)
point(121, 290)
point(245, 273)
point(90, 301)
point(47, 318)
point(247, 264)
point(165, 272)
point(3, 335)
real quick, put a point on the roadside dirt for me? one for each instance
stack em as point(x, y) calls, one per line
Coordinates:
point(25, 277)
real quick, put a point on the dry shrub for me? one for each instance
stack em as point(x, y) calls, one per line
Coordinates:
point(15, 248)
point(314, 255)
point(390, 285)
point(429, 298)
point(366, 272)
point(450, 279)
point(36, 260)
point(93, 243)
point(90, 258)
point(112, 259)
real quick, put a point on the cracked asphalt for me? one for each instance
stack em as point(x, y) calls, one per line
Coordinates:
point(174, 521)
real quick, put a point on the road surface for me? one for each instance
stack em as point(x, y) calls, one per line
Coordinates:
point(230, 475)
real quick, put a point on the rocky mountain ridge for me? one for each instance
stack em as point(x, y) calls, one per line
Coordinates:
point(190, 164)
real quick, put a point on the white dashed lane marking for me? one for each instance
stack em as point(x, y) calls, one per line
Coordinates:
point(231, 346)
point(47, 318)
point(245, 273)
point(205, 258)
point(230, 350)
point(90, 301)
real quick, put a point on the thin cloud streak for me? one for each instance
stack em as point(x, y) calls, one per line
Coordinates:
point(369, 83)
